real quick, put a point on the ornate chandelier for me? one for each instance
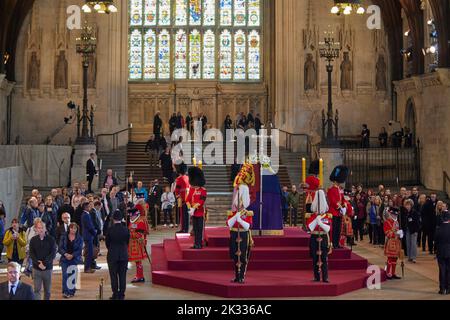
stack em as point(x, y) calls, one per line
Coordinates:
point(104, 6)
point(347, 7)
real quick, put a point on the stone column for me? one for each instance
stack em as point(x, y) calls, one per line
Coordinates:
point(332, 157)
point(5, 90)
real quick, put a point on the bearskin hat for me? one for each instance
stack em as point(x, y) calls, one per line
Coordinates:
point(182, 169)
point(196, 177)
point(339, 174)
point(314, 167)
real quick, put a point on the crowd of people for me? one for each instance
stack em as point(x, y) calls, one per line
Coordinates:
point(401, 137)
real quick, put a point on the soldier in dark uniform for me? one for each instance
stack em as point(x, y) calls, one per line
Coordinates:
point(239, 221)
point(117, 239)
point(319, 223)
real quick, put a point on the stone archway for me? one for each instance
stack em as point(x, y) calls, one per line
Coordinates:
point(411, 117)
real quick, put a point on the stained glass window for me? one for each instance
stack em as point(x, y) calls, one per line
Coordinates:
point(226, 15)
point(135, 55)
point(150, 55)
point(209, 52)
point(225, 55)
point(195, 45)
point(180, 55)
point(239, 55)
point(181, 17)
point(150, 12)
point(195, 39)
point(164, 55)
point(240, 13)
point(254, 51)
point(164, 12)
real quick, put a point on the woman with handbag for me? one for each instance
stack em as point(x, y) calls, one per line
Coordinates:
point(70, 249)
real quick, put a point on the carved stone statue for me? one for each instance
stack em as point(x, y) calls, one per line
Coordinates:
point(61, 71)
point(92, 72)
point(310, 73)
point(346, 73)
point(33, 72)
point(381, 74)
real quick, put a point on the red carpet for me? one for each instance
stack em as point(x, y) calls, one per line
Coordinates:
point(279, 267)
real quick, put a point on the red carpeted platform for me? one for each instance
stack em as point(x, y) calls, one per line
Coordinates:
point(279, 267)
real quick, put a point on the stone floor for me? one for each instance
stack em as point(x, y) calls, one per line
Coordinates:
point(420, 282)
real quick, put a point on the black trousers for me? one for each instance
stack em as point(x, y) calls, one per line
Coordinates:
point(314, 250)
point(374, 233)
point(186, 218)
point(197, 223)
point(90, 180)
point(444, 273)
point(428, 234)
point(337, 224)
point(154, 214)
point(245, 251)
point(118, 275)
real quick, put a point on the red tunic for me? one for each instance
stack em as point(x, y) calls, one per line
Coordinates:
point(336, 201)
point(393, 246)
point(197, 197)
point(247, 218)
point(327, 219)
point(138, 240)
point(181, 187)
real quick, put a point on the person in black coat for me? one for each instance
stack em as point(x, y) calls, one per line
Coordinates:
point(157, 125)
point(442, 241)
point(117, 239)
point(65, 208)
point(154, 203)
point(258, 124)
point(412, 230)
point(91, 171)
point(14, 289)
point(429, 222)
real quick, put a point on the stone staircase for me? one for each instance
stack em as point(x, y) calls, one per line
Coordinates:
point(144, 167)
point(293, 163)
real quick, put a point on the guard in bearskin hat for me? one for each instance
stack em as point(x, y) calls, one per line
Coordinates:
point(195, 202)
point(339, 206)
point(393, 246)
point(181, 188)
point(319, 223)
point(139, 230)
point(240, 220)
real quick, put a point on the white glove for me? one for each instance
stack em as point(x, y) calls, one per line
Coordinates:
point(343, 211)
point(191, 212)
point(400, 234)
point(355, 218)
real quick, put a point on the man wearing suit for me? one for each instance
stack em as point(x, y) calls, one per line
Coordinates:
point(14, 289)
point(117, 240)
point(89, 232)
point(91, 171)
point(442, 242)
point(63, 228)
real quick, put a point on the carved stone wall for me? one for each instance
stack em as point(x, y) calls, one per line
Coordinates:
point(299, 27)
point(430, 97)
point(38, 111)
point(214, 100)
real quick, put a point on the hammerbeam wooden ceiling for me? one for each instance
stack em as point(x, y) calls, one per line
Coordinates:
point(14, 12)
